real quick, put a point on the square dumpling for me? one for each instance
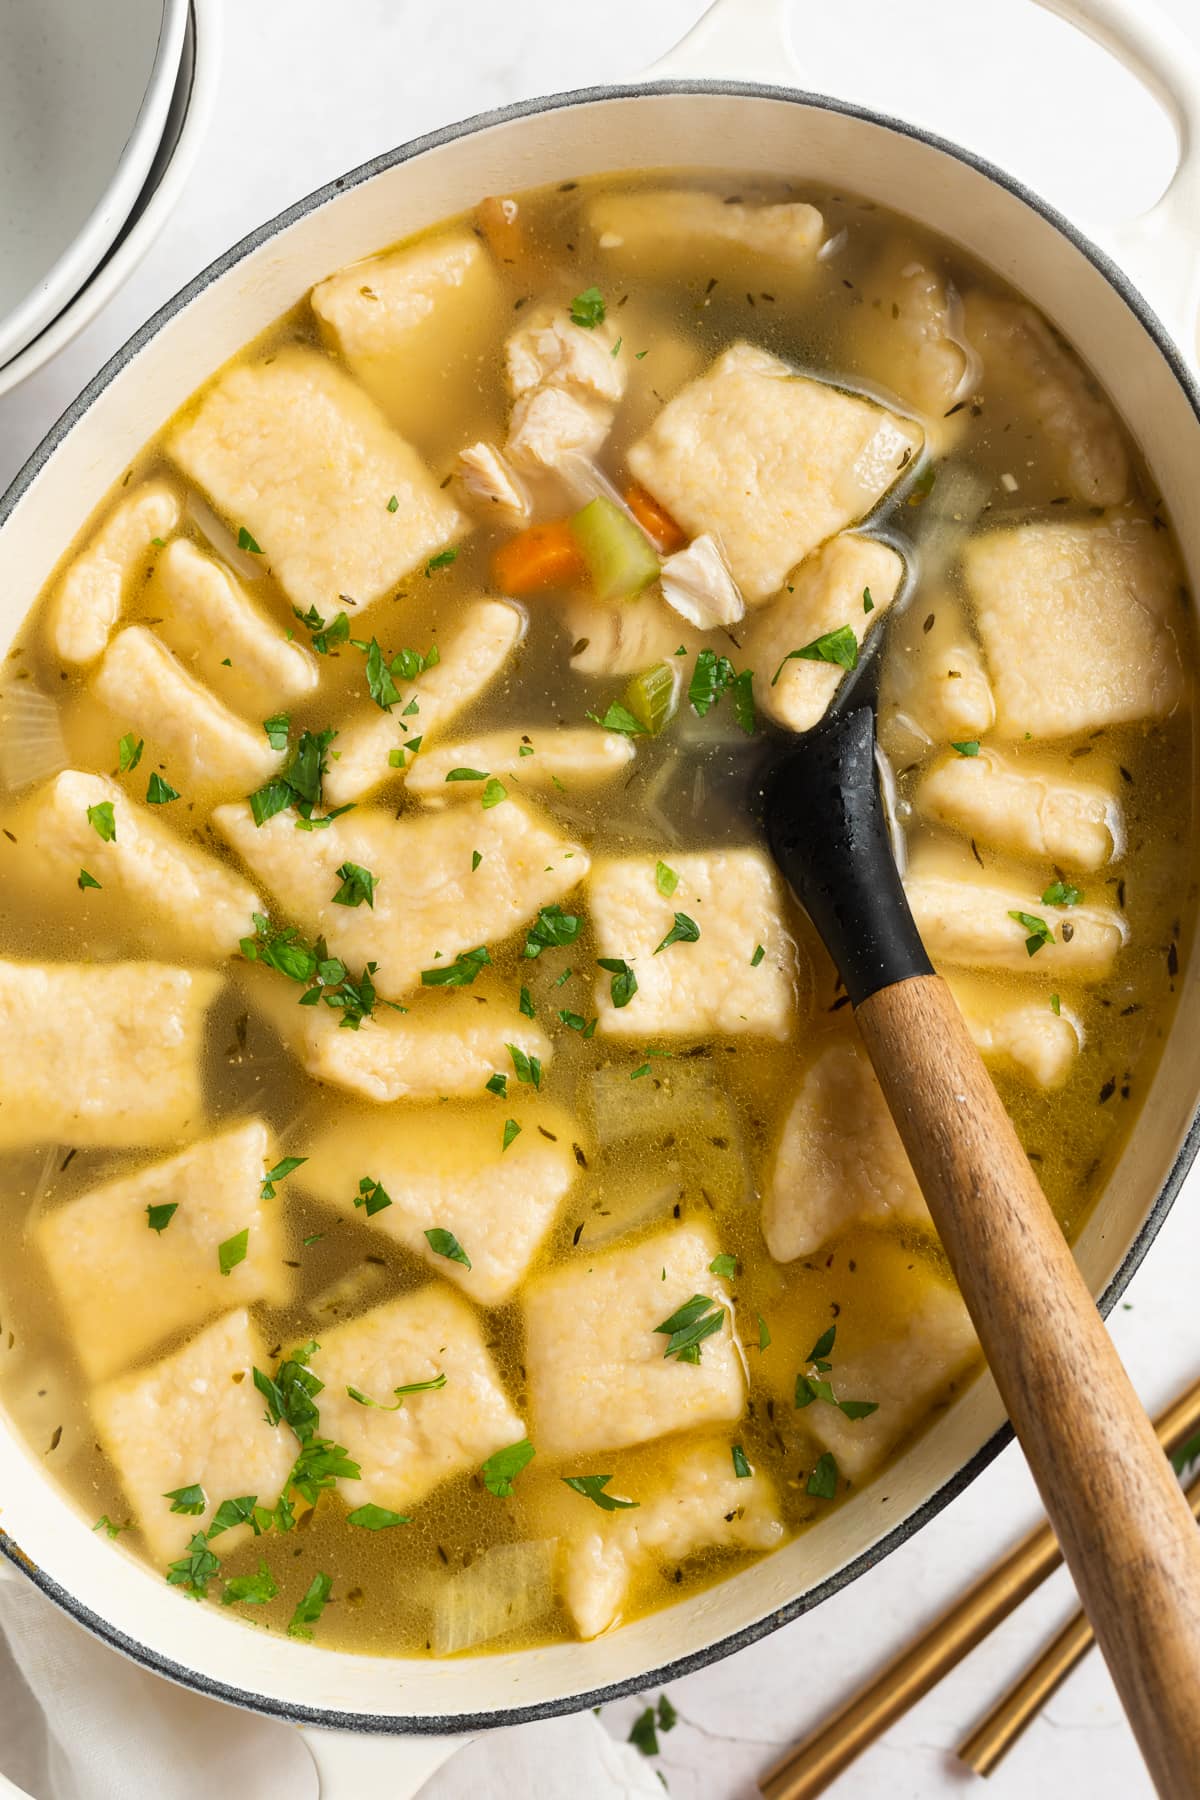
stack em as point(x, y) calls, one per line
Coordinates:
point(124, 1284)
point(599, 1376)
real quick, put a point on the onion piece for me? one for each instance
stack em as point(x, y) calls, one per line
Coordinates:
point(506, 1589)
point(222, 539)
point(31, 740)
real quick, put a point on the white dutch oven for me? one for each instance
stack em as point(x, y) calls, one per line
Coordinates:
point(695, 115)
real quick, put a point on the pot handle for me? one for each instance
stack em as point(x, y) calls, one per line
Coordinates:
point(353, 1765)
point(750, 40)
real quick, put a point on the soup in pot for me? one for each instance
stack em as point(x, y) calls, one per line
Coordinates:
point(446, 1204)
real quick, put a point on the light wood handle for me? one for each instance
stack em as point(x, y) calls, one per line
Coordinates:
point(1125, 1528)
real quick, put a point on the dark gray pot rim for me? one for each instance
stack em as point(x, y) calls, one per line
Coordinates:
point(401, 1724)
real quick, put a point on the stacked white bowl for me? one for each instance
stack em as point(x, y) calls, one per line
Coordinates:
point(102, 106)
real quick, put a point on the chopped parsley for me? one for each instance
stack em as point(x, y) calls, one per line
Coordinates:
point(711, 677)
point(759, 953)
point(684, 931)
point(476, 859)
point(324, 636)
point(233, 1251)
point(868, 603)
point(196, 1569)
point(358, 884)
point(377, 1518)
point(250, 1590)
point(689, 1325)
point(393, 504)
point(372, 1196)
point(592, 1488)
point(298, 783)
point(231, 1513)
point(311, 1606)
point(822, 1483)
point(246, 542)
point(619, 718)
point(528, 1068)
point(105, 1524)
point(461, 972)
point(129, 752)
point(324, 978)
point(503, 1466)
point(159, 1217)
point(665, 879)
point(572, 1020)
point(624, 981)
point(723, 1265)
point(642, 1734)
point(764, 1333)
point(525, 1004)
point(85, 880)
point(588, 308)
point(512, 1131)
point(283, 1168)
point(1055, 1005)
point(382, 674)
point(497, 1084)
point(816, 1387)
point(552, 928)
point(442, 560)
point(434, 1383)
point(1039, 932)
point(160, 792)
point(190, 1500)
point(276, 728)
point(444, 1243)
point(467, 775)
point(1061, 893)
point(494, 792)
point(741, 1467)
point(968, 747)
point(102, 822)
point(840, 647)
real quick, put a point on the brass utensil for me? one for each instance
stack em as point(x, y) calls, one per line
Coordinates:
point(808, 1769)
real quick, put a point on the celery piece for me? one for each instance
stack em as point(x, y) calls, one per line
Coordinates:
point(653, 696)
point(619, 556)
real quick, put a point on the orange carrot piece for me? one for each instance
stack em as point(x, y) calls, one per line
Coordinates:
point(499, 219)
point(543, 556)
point(654, 519)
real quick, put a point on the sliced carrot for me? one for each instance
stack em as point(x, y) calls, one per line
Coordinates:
point(543, 556)
point(499, 219)
point(654, 519)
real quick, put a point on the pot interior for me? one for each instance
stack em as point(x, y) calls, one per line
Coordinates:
point(804, 140)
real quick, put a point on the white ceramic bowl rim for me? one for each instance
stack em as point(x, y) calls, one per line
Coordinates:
point(459, 1722)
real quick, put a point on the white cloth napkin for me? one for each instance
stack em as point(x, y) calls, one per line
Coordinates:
point(80, 1722)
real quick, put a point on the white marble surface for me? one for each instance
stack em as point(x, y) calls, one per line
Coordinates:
point(308, 91)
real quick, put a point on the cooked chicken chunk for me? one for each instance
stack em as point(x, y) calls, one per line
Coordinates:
point(437, 302)
point(158, 880)
point(838, 1158)
point(559, 757)
point(965, 917)
point(471, 656)
point(195, 1417)
point(91, 593)
point(625, 639)
point(550, 425)
point(934, 688)
point(1028, 809)
point(697, 583)
point(102, 1053)
point(407, 1452)
point(126, 1278)
point(701, 1504)
point(142, 684)
point(209, 621)
point(1025, 1035)
point(1024, 357)
point(599, 1377)
point(448, 1171)
point(443, 1046)
point(902, 1374)
point(829, 591)
point(694, 988)
point(486, 477)
point(653, 230)
point(430, 903)
point(1075, 620)
point(909, 336)
point(771, 462)
point(548, 350)
point(294, 452)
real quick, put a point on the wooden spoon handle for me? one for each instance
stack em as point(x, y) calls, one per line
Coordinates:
point(1126, 1530)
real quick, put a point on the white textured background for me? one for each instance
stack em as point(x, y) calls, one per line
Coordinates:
point(307, 91)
